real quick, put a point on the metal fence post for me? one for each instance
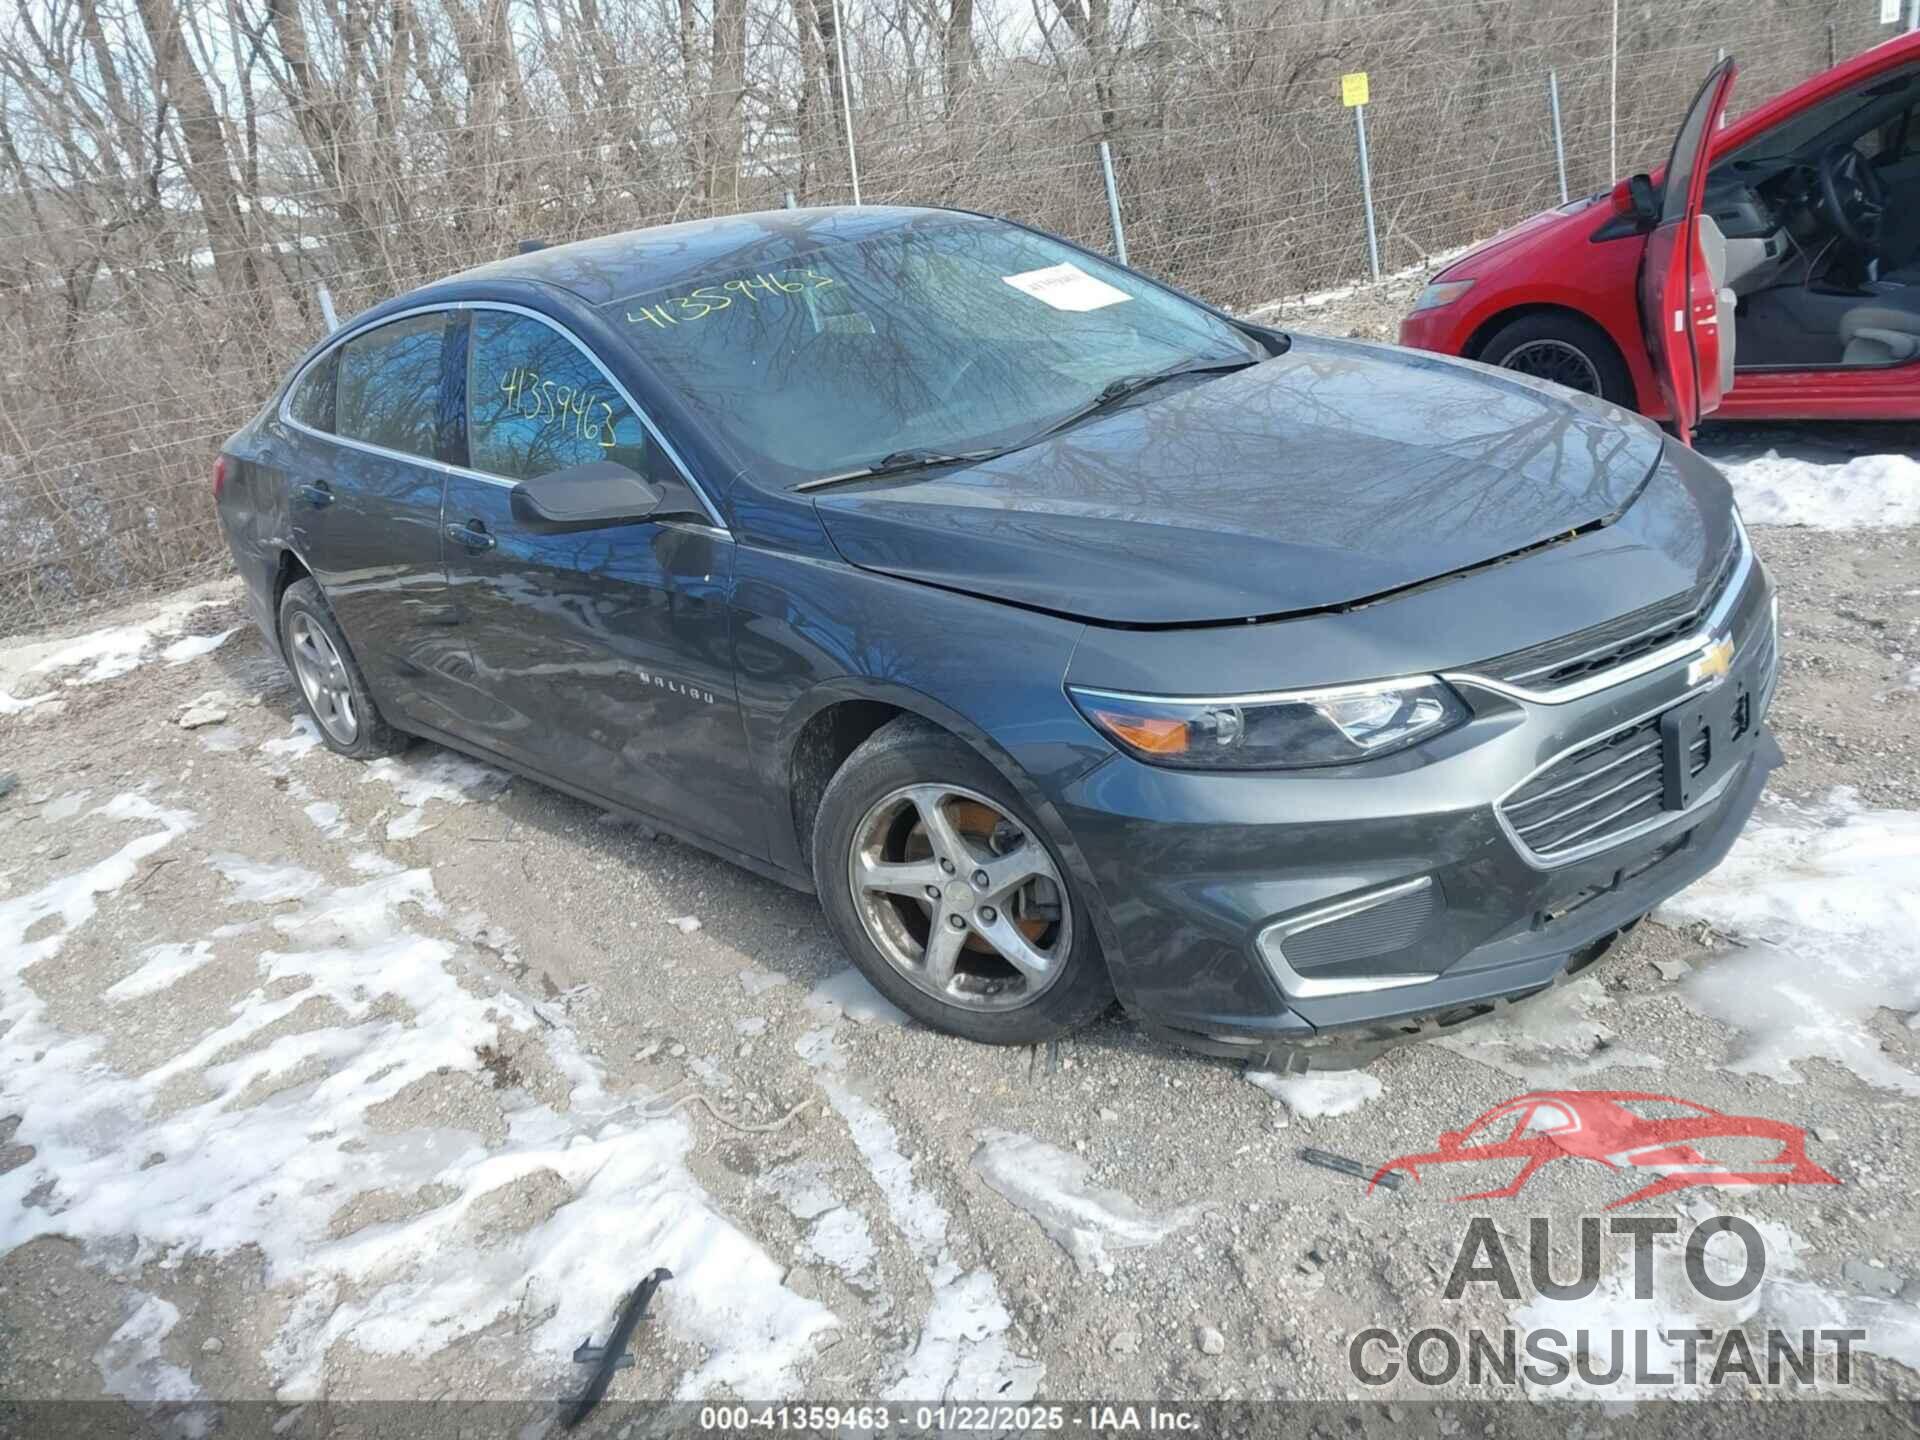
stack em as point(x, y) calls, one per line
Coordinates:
point(1559, 137)
point(325, 297)
point(1113, 204)
point(1613, 101)
point(846, 102)
point(1366, 189)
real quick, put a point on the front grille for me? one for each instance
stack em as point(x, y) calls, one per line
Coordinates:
point(1591, 794)
point(1573, 657)
point(1766, 656)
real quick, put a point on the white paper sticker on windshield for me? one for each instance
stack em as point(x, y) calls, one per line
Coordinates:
point(1067, 287)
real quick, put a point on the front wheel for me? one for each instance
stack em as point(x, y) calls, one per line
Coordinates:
point(1565, 349)
point(947, 896)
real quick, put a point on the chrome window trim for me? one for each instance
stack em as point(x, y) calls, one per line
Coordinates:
point(1271, 943)
point(1681, 649)
point(335, 342)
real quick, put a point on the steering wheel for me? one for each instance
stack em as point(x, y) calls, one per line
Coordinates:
point(1855, 196)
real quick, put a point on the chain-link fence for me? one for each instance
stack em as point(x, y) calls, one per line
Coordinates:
point(183, 181)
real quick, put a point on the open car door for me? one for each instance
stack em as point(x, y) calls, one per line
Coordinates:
point(1685, 311)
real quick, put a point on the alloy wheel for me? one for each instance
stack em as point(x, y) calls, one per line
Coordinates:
point(960, 897)
point(323, 678)
point(1558, 361)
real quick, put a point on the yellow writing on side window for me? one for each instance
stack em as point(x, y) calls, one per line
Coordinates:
point(579, 411)
point(699, 303)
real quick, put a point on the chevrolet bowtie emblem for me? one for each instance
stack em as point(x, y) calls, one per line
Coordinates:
point(1712, 662)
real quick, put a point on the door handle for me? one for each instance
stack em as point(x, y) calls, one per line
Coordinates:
point(318, 495)
point(473, 535)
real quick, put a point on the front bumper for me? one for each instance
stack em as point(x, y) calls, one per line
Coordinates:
point(1417, 904)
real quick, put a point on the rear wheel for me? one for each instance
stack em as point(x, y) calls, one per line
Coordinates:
point(1565, 349)
point(946, 895)
point(328, 678)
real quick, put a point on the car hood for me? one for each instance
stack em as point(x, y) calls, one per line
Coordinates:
point(1329, 475)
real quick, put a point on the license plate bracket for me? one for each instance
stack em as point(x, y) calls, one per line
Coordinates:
point(1703, 739)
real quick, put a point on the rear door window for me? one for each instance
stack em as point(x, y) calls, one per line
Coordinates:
point(537, 403)
point(389, 386)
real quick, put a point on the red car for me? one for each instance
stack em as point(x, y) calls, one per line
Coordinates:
point(1770, 271)
point(1683, 1143)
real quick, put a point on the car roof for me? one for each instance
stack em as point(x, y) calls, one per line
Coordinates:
point(613, 267)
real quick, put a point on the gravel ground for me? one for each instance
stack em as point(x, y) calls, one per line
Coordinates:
point(1263, 1268)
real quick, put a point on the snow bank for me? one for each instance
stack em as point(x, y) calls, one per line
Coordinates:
point(1867, 492)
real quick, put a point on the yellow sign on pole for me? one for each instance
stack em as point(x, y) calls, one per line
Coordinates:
point(1353, 89)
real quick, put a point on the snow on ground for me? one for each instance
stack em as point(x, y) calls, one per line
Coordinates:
point(425, 774)
point(131, 1365)
point(962, 1352)
point(260, 1135)
point(847, 992)
point(1864, 492)
point(32, 673)
point(1320, 1094)
point(1056, 1188)
point(1826, 900)
point(1555, 1041)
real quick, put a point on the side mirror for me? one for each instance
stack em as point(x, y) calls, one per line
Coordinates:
point(1635, 196)
point(600, 492)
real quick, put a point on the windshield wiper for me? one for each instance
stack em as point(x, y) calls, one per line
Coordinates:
point(1116, 392)
point(897, 462)
point(902, 462)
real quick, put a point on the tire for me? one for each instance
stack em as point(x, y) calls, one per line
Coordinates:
point(1534, 343)
point(868, 825)
point(332, 689)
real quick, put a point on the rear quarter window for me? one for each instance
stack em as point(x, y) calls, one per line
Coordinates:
point(388, 392)
point(311, 402)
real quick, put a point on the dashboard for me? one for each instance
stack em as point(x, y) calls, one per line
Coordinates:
point(1767, 212)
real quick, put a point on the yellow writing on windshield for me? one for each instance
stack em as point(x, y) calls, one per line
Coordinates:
point(699, 303)
point(577, 410)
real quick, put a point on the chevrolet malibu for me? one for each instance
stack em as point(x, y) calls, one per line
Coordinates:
point(1069, 638)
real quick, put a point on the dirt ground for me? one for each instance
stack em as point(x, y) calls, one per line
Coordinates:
point(865, 1244)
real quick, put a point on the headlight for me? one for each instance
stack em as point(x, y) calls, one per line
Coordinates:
point(1443, 292)
point(1335, 726)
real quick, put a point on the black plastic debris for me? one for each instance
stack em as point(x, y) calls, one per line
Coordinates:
point(1345, 1166)
point(613, 1355)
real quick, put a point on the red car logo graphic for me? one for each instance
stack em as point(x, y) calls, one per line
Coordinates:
point(1619, 1129)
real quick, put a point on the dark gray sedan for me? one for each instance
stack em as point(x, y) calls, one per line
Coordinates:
point(1070, 638)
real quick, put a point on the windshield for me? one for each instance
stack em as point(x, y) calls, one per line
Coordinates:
point(950, 335)
point(1842, 117)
